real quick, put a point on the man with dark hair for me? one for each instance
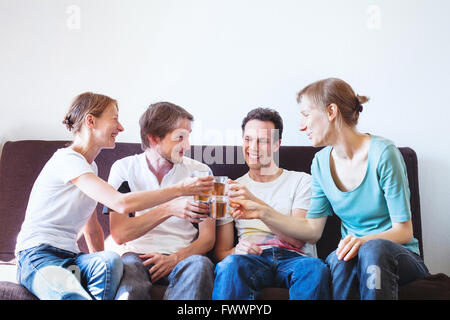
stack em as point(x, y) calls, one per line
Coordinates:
point(266, 256)
point(266, 114)
point(162, 245)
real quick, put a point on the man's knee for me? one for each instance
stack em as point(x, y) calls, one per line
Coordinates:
point(134, 269)
point(131, 259)
point(111, 261)
point(232, 263)
point(313, 266)
point(199, 261)
point(135, 283)
point(195, 264)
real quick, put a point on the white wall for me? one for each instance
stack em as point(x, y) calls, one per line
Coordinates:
point(219, 59)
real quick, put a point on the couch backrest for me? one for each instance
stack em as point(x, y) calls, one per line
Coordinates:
point(22, 161)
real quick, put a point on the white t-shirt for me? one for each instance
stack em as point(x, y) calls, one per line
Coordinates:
point(171, 235)
point(291, 190)
point(57, 209)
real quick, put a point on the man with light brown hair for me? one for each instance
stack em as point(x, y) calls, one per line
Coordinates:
point(162, 245)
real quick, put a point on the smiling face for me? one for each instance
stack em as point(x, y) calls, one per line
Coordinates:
point(175, 143)
point(106, 127)
point(314, 122)
point(259, 144)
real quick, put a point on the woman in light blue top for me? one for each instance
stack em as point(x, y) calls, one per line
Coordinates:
point(362, 178)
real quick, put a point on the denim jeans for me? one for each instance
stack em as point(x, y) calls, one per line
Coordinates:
point(242, 277)
point(191, 279)
point(380, 267)
point(55, 274)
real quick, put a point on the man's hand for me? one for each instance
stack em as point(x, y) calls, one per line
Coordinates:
point(162, 264)
point(188, 209)
point(196, 186)
point(239, 191)
point(247, 247)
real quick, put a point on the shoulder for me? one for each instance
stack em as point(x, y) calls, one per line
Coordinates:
point(130, 160)
point(384, 149)
point(322, 154)
point(380, 143)
point(296, 175)
point(321, 159)
point(127, 163)
point(245, 179)
point(386, 157)
point(67, 157)
point(192, 164)
point(68, 153)
point(300, 181)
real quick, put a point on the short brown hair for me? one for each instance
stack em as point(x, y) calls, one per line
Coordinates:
point(333, 90)
point(83, 104)
point(265, 114)
point(159, 119)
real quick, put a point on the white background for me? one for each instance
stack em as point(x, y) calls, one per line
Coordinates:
point(221, 58)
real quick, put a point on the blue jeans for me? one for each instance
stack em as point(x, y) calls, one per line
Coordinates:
point(55, 274)
point(380, 267)
point(191, 279)
point(242, 277)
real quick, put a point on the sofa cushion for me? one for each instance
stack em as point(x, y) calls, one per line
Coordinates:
point(14, 291)
point(432, 287)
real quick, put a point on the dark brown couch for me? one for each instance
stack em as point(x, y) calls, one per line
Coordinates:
point(22, 161)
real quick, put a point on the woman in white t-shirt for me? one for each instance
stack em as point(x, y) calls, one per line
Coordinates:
point(63, 201)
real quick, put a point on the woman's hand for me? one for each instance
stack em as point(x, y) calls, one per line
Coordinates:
point(246, 209)
point(196, 186)
point(247, 247)
point(348, 247)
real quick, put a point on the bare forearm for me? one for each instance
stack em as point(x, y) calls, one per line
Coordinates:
point(138, 201)
point(296, 228)
point(221, 254)
point(124, 229)
point(94, 239)
point(203, 244)
point(293, 241)
point(400, 234)
point(199, 246)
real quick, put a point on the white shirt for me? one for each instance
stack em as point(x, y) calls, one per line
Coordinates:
point(174, 233)
point(57, 209)
point(290, 191)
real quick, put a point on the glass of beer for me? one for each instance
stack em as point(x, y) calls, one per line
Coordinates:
point(219, 206)
point(220, 185)
point(202, 173)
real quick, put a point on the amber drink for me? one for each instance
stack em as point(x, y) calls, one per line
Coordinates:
point(204, 198)
point(219, 206)
point(220, 186)
point(207, 195)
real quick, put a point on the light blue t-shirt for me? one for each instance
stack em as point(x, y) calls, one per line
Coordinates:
point(381, 198)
